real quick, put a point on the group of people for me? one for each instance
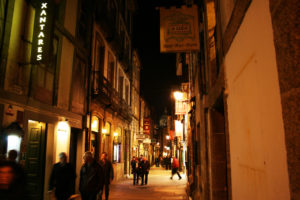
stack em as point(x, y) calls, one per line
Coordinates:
point(140, 169)
point(95, 177)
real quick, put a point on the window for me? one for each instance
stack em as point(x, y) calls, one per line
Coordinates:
point(117, 153)
point(78, 86)
point(121, 83)
point(111, 69)
point(117, 145)
point(2, 17)
point(83, 25)
point(127, 93)
point(45, 77)
point(99, 52)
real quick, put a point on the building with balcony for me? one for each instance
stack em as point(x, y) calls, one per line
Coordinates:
point(111, 83)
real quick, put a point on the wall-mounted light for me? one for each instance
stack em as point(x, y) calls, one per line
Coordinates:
point(62, 138)
point(178, 95)
point(95, 124)
point(167, 137)
point(104, 131)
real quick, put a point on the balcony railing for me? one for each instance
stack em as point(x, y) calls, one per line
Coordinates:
point(104, 92)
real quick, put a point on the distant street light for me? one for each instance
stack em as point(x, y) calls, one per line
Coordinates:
point(178, 95)
point(167, 137)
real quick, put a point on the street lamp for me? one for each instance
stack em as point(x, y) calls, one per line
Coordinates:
point(167, 137)
point(178, 95)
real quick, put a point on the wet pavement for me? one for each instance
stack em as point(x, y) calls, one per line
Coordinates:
point(160, 187)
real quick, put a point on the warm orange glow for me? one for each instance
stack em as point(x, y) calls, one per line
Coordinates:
point(62, 138)
point(95, 124)
point(178, 95)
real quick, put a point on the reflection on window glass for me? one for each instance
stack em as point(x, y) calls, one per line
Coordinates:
point(117, 153)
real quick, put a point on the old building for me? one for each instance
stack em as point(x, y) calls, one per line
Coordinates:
point(242, 143)
point(44, 68)
point(112, 70)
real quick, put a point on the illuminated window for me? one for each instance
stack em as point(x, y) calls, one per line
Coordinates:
point(13, 143)
point(117, 145)
point(117, 153)
point(106, 129)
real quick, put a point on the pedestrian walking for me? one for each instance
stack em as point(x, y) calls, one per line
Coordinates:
point(91, 178)
point(175, 167)
point(134, 170)
point(146, 169)
point(12, 181)
point(108, 174)
point(62, 178)
point(141, 169)
point(157, 161)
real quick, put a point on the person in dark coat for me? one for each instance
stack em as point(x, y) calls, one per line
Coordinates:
point(175, 167)
point(141, 169)
point(108, 174)
point(62, 178)
point(134, 171)
point(146, 169)
point(12, 181)
point(91, 178)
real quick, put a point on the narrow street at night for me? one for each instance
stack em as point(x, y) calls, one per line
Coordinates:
point(160, 187)
point(194, 99)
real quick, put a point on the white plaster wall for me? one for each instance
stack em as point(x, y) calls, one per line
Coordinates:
point(256, 132)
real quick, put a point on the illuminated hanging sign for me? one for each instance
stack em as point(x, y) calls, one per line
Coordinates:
point(179, 31)
point(147, 126)
point(42, 28)
point(41, 44)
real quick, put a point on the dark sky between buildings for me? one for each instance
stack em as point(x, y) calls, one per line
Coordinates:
point(158, 74)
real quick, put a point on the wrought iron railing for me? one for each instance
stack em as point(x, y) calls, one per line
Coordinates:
point(103, 88)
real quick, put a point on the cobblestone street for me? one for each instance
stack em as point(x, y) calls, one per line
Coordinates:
point(160, 186)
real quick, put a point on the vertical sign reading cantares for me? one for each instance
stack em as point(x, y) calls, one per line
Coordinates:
point(41, 31)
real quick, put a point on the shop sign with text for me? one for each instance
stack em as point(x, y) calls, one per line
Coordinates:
point(41, 47)
point(179, 31)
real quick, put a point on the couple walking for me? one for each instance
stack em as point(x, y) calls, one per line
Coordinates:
point(140, 168)
point(94, 177)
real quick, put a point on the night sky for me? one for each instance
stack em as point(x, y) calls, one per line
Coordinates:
point(158, 74)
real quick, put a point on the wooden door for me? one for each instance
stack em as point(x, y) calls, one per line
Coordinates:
point(35, 161)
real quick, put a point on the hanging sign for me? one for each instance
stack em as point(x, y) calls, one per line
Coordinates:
point(42, 32)
point(181, 107)
point(147, 126)
point(179, 31)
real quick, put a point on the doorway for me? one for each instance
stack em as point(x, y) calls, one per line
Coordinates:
point(35, 161)
point(219, 178)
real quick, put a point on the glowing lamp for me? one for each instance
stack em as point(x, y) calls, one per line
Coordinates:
point(167, 137)
point(104, 131)
point(178, 95)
